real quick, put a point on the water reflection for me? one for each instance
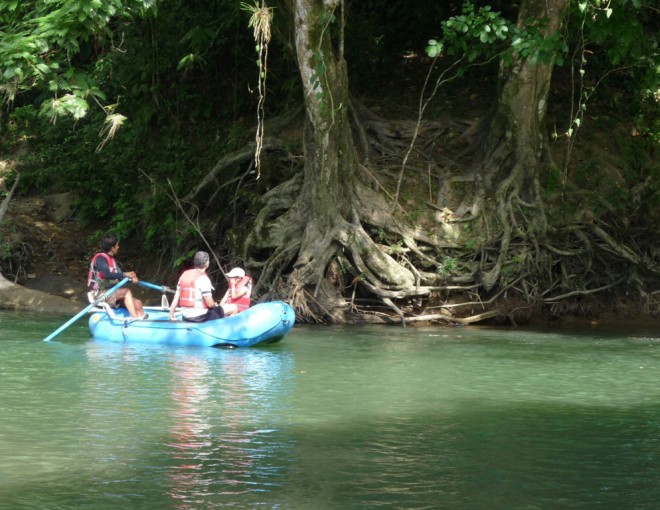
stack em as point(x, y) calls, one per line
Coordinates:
point(207, 423)
point(219, 445)
point(189, 433)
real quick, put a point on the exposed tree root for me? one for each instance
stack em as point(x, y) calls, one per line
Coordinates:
point(374, 266)
point(454, 320)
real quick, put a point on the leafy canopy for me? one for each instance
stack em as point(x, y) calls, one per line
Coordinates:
point(484, 34)
point(50, 45)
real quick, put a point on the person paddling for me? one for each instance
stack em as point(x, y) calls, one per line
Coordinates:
point(104, 273)
point(238, 295)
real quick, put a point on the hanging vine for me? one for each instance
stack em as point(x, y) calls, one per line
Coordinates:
point(260, 21)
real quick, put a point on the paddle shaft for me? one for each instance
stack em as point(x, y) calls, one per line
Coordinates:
point(159, 288)
point(83, 312)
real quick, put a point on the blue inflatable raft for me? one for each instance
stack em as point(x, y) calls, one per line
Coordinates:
point(263, 323)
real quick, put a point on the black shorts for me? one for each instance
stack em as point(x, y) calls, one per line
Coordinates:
point(217, 312)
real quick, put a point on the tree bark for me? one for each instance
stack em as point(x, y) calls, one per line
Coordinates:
point(516, 148)
point(324, 224)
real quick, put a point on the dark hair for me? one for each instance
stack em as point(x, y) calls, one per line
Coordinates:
point(108, 241)
point(201, 259)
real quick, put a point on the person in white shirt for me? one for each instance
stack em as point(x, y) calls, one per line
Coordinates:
point(194, 293)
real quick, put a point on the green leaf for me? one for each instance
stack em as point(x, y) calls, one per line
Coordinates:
point(434, 48)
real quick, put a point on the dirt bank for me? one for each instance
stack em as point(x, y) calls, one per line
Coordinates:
point(49, 255)
point(52, 252)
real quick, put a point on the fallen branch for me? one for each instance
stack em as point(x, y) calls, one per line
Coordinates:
point(456, 320)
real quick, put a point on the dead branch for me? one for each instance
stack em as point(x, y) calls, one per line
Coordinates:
point(5, 203)
point(454, 320)
point(245, 153)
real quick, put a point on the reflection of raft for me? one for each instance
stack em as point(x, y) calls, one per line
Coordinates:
point(264, 323)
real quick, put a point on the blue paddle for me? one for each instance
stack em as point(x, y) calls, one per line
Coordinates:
point(159, 288)
point(83, 312)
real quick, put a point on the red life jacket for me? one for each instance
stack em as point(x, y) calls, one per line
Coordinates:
point(189, 296)
point(243, 303)
point(94, 277)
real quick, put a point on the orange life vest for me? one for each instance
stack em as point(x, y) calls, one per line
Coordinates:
point(189, 295)
point(243, 303)
point(94, 277)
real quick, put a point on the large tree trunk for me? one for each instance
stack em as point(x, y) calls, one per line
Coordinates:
point(516, 149)
point(517, 141)
point(324, 224)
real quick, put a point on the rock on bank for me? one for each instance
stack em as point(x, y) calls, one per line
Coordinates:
point(19, 298)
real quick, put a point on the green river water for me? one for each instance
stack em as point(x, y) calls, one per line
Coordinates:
point(331, 418)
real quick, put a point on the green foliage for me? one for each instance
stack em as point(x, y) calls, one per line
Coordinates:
point(648, 117)
point(530, 44)
point(613, 38)
point(396, 248)
point(447, 267)
point(68, 104)
point(469, 236)
point(7, 244)
point(483, 34)
point(13, 252)
point(185, 81)
point(514, 266)
point(184, 257)
point(46, 45)
point(475, 34)
point(616, 28)
point(470, 244)
point(179, 114)
point(393, 246)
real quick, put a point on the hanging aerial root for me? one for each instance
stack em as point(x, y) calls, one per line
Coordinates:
point(300, 300)
point(260, 21)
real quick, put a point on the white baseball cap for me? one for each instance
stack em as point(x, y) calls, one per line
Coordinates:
point(237, 272)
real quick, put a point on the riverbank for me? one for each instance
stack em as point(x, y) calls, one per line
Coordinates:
point(56, 248)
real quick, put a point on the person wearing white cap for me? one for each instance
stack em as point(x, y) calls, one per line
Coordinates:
point(238, 295)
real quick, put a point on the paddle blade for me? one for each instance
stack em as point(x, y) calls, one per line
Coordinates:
point(83, 312)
